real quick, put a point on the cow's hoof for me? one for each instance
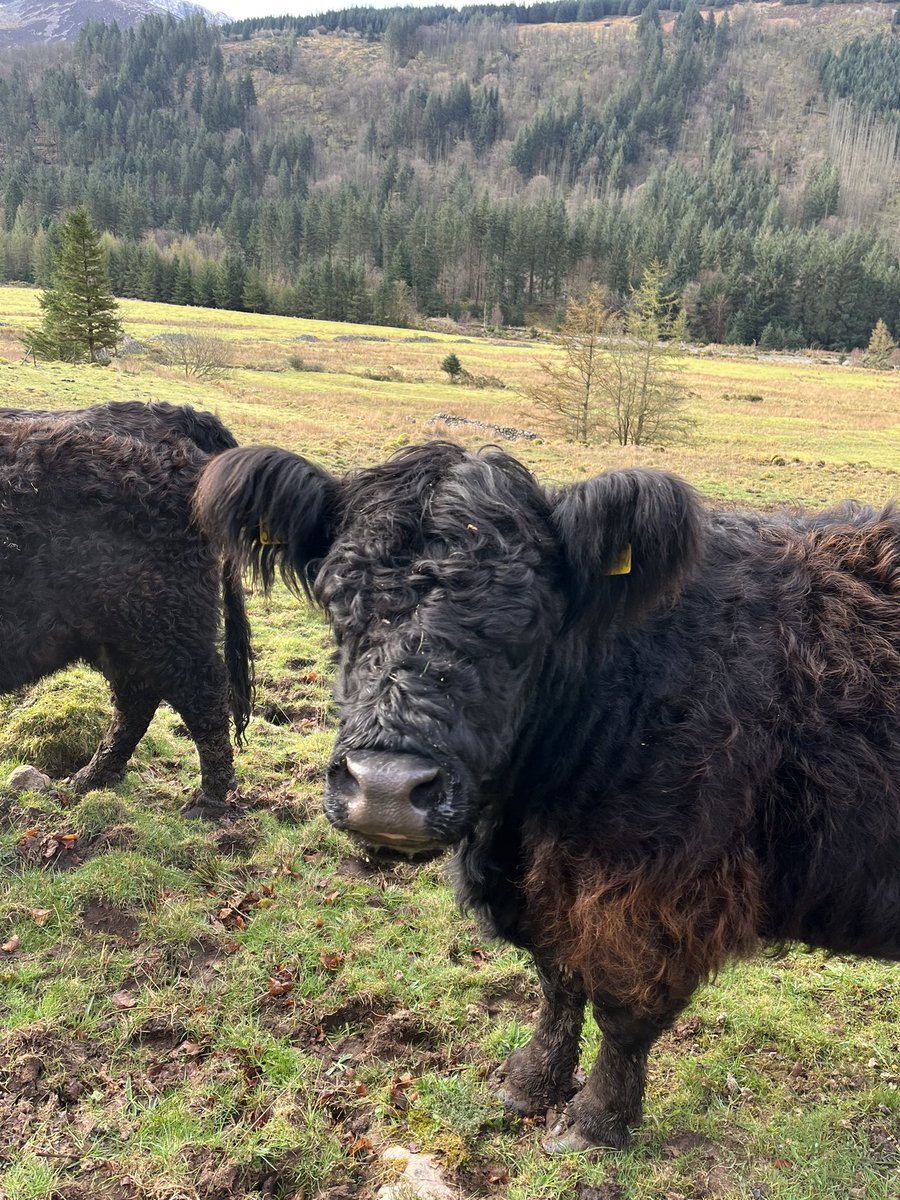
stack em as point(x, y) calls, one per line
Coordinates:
point(567, 1136)
point(87, 781)
point(517, 1099)
point(524, 1096)
point(201, 806)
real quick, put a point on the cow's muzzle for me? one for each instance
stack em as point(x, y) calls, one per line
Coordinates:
point(385, 799)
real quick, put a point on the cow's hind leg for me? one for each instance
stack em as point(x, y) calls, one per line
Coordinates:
point(611, 1101)
point(202, 704)
point(135, 703)
point(541, 1075)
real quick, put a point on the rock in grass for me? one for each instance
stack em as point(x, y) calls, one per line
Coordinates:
point(27, 779)
point(420, 1180)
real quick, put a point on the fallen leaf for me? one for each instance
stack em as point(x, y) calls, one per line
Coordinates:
point(123, 1000)
point(330, 960)
point(11, 945)
point(280, 987)
point(40, 915)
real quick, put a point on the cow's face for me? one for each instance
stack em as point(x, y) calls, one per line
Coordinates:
point(443, 588)
point(448, 577)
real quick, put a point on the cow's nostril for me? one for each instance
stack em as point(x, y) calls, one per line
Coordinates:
point(428, 794)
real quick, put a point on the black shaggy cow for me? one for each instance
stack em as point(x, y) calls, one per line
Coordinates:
point(656, 734)
point(100, 561)
point(151, 422)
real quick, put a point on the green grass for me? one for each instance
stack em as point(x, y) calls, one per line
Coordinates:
point(146, 1051)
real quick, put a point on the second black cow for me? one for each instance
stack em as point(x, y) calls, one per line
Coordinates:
point(656, 734)
point(101, 561)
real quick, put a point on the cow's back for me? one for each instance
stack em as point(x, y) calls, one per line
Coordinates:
point(96, 546)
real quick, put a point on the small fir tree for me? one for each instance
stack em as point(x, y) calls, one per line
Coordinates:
point(881, 347)
point(80, 315)
point(452, 366)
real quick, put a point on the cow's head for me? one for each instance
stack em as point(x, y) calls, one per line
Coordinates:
point(448, 578)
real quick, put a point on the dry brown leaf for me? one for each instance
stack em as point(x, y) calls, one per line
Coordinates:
point(11, 945)
point(123, 1000)
point(40, 915)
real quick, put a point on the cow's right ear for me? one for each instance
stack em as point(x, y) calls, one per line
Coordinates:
point(271, 509)
point(630, 540)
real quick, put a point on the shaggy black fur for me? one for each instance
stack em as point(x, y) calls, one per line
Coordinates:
point(149, 422)
point(645, 774)
point(100, 561)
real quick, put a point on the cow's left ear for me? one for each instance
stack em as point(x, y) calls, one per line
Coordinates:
point(630, 539)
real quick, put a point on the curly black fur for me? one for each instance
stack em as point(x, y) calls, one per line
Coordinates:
point(100, 561)
point(150, 422)
point(648, 773)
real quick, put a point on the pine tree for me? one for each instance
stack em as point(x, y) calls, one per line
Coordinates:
point(452, 366)
point(80, 313)
point(881, 347)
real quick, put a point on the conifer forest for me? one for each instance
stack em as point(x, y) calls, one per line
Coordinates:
point(489, 163)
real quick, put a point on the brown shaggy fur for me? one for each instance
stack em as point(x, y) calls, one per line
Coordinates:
point(644, 935)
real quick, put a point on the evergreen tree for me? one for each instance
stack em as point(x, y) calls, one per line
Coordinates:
point(881, 347)
point(80, 313)
point(452, 366)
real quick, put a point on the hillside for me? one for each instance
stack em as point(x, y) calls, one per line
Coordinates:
point(478, 167)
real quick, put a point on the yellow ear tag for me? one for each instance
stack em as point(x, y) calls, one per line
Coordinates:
point(622, 565)
point(265, 535)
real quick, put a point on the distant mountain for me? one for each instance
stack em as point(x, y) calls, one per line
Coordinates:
point(25, 21)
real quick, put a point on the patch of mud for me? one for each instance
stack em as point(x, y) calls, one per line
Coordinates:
point(163, 1032)
point(517, 994)
point(375, 1032)
point(609, 1190)
point(201, 959)
point(213, 1177)
point(107, 919)
point(237, 839)
point(709, 1176)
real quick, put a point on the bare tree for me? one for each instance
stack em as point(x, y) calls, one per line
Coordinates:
point(197, 354)
point(570, 391)
point(619, 380)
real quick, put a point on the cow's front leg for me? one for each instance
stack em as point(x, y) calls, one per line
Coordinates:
point(611, 1101)
point(541, 1075)
point(135, 703)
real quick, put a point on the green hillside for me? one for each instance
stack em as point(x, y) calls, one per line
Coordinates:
point(464, 164)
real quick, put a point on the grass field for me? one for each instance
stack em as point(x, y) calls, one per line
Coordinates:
point(200, 1013)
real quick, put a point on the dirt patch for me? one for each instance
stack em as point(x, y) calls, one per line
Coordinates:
point(201, 958)
point(237, 839)
point(106, 919)
point(61, 849)
point(162, 1031)
point(375, 1033)
point(610, 1190)
point(517, 994)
